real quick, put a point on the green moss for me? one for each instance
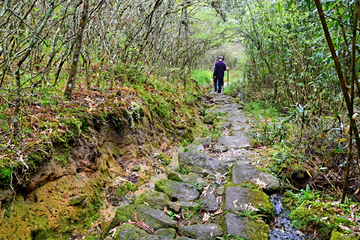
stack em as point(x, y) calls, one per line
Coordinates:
point(167, 232)
point(337, 235)
point(174, 176)
point(124, 189)
point(125, 213)
point(77, 199)
point(258, 230)
point(317, 214)
point(265, 207)
point(129, 232)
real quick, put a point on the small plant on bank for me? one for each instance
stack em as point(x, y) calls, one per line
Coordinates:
point(230, 237)
point(182, 171)
point(173, 215)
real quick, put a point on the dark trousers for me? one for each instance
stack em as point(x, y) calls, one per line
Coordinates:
point(218, 83)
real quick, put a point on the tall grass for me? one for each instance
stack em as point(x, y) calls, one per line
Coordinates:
point(203, 77)
point(263, 109)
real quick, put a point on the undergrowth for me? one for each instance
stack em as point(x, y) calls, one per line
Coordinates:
point(51, 125)
point(301, 163)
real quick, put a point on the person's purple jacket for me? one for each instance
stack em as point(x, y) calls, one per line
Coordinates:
point(220, 68)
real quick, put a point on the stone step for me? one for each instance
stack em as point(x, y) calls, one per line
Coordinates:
point(201, 163)
point(243, 172)
point(201, 232)
point(235, 142)
point(238, 199)
point(177, 190)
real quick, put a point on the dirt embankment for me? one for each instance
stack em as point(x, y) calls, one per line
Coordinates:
point(61, 199)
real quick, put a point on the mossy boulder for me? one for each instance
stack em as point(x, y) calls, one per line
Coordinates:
point(154, 217)
point(238, 198)
point(167, 232)
point(193, 179)
point(201, 232)
point(129, 232)
point(200, 163)
point(77, 199)
point(177, 190)
point(154, 199)
point(235, 225)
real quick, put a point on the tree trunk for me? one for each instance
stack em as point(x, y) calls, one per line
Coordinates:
point(79, 35)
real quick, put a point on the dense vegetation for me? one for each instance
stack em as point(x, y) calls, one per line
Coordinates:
point(95, 57)
point(294, 61)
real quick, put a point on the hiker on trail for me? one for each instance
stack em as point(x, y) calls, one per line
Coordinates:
point(218, 76)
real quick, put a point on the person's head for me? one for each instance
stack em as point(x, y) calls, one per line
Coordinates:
point(220, 58)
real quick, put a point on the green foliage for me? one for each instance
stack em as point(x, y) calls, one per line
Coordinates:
point(165, 158)
point(182, 171)
point(5, 174)
point(173, 215)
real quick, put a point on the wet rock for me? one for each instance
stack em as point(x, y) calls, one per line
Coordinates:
point(202, 141)
point(184, 238)
point(77, 199)
point(200, 163)
point(277, 203)
point(129, 232)
point(201, 232)
point(235, 142)
point(167, 232)
point(154, 217)
point(208, 200)
point(153, 198)
point(219, 148)
point(238, 198)
point(177, 190)
point(246, 228)
point(243, 171)
point(193, 179)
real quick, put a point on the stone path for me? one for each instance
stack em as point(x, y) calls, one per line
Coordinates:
point(215, 194)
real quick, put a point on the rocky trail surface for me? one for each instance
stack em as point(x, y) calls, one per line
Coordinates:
point(214, 193)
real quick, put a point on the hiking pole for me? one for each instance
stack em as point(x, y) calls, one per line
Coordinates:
point(228, 78)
